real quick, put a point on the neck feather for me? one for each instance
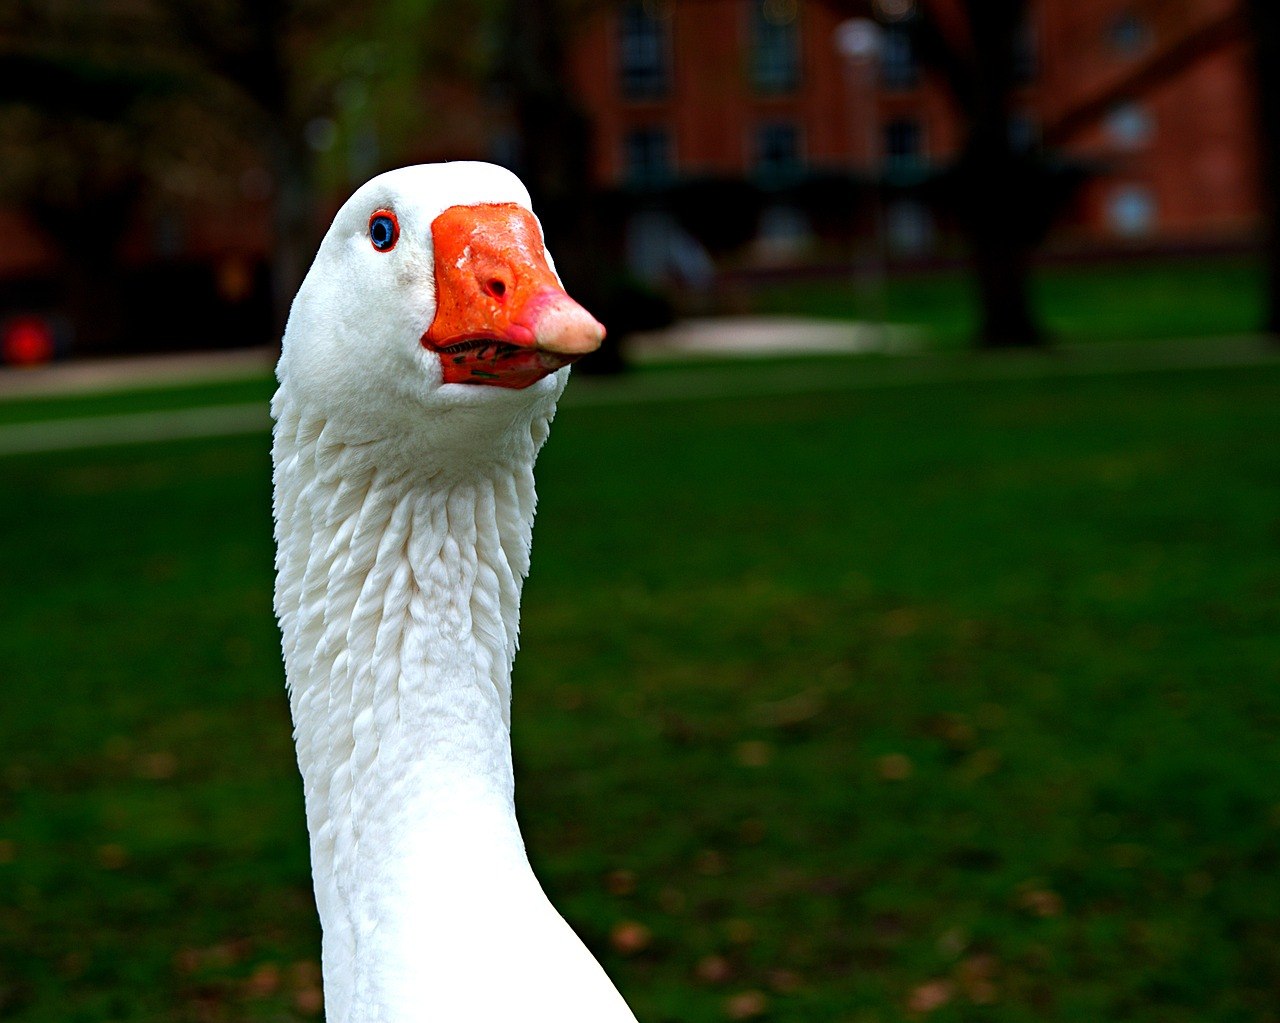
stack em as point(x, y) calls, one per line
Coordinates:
point(398, 597)
point(398, 594)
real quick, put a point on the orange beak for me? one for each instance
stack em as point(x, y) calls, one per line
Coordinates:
point(501, 318)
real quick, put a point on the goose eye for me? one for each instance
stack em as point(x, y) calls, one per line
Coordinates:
point(384, 230)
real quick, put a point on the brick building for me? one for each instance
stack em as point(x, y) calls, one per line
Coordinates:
point(767, 89)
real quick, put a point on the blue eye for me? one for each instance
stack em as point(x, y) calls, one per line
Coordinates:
point(384, 230)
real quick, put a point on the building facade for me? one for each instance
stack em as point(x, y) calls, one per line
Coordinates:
point(772, 89)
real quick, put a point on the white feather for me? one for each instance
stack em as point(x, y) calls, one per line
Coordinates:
point(404, 514)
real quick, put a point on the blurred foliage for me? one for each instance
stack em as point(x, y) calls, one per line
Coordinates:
point(261, 69)
point(110, 112)
point(113, 116)
point(872, 703)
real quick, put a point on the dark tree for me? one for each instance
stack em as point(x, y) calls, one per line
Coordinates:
point(1003, 194)
point(116, 96)
point(1265, 22)
point(244, 46)
point(554, 151)
point(81, 143)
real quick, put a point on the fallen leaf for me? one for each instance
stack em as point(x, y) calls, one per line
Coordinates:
point(1041, 902)
point(785, 982)
point(157, 766)
point(264, 981)
point(713, 969)
point(952, 729)
point(620, 882)
point(754, 753)
point(792, 711)
point(225, 953)
point(186, 960)
point(112, 856)
point(309, 1000)
point(900, 623)
point(630, 937)
point(976, 977)
point(709, 863)
point(73, 964)
point(752, 831)
point(746, 1005)
point(894, 767)
point(982, 763)
point(930, 996)
point(305, 973)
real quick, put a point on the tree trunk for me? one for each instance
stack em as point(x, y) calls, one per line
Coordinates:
point(555, 154)
point(1265, 16)
point(997, 193)
point(89, 227)
point(1000, 193)
point(1002, 271)
point(292, 225)
point(554, 133)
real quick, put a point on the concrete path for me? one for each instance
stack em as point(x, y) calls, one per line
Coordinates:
point(800, 377)
point(134, 428)
point(757, 336)
point(90, 376)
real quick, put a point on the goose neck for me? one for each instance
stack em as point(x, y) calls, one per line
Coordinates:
point(398, 599)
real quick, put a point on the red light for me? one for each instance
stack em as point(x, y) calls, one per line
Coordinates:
point(28, 341)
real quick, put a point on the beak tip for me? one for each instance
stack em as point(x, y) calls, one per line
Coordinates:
point(568, 329)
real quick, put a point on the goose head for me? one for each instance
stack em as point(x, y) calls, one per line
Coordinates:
point(432, 314)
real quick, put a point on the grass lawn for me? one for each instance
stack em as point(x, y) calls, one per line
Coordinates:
point(943, 700)
point(1131, 301)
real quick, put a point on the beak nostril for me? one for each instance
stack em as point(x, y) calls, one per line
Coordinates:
point(495, 288)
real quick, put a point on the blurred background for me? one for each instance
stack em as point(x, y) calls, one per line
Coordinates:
point(175, 163)
point(901, 641)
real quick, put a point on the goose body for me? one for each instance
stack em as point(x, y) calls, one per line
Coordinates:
point(417, 382)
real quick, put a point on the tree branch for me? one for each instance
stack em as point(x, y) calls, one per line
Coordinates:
point(1195, 45)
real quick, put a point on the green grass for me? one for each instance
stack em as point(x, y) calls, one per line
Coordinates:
point(962, 690)
point(124, 401)
point(1130, 301)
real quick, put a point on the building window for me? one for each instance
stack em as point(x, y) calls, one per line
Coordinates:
point(1131, 126)
point(775, 45)
point(1024, 131)
point(645, 51)
point(646, 157)
point(784, 234)
point(778, 158)
point(1131, 211)
point(899, 69)
point(1128, 34)
point(903, 146)
point(909, 228)
point(1026, 52)
point(504, 148)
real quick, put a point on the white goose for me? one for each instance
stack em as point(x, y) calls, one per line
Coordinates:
point(404, 505)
